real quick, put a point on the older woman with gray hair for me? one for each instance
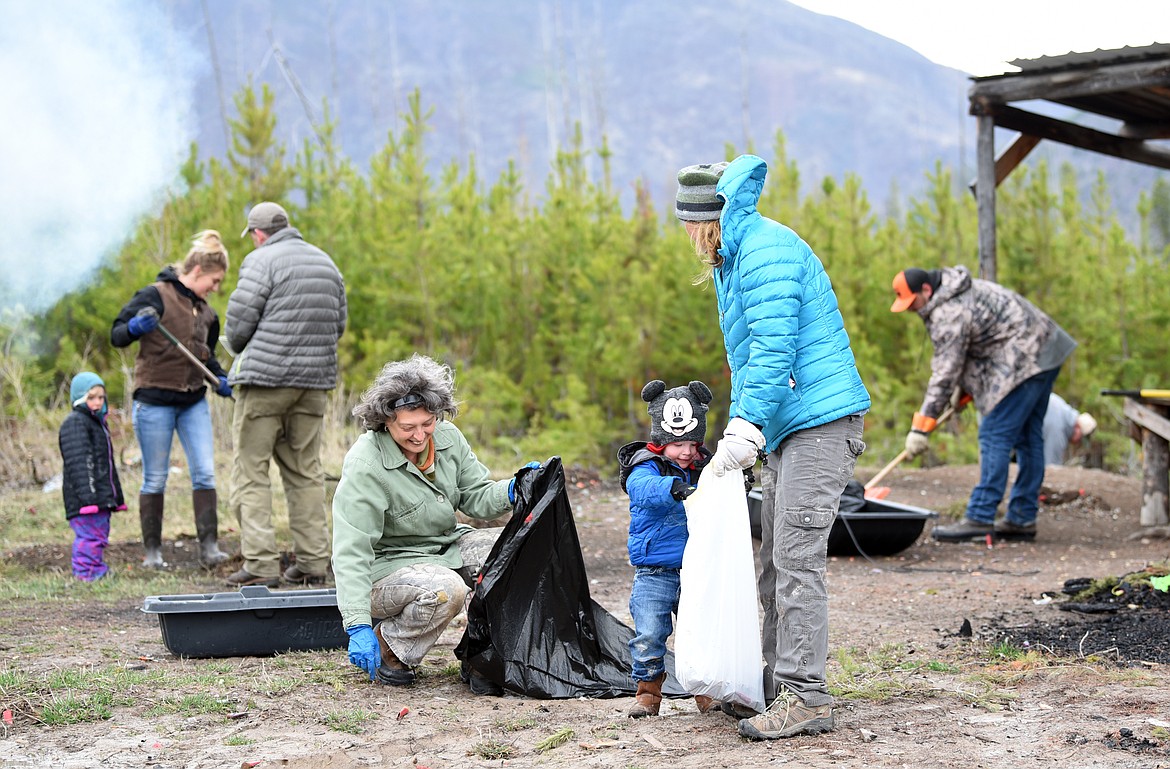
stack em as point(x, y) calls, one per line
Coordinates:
point(403, 562)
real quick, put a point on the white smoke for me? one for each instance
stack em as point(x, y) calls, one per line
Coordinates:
point(95, 120)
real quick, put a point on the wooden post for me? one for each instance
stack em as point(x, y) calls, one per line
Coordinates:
point(1155, 476)
point(1155, 435)
point(985, 195)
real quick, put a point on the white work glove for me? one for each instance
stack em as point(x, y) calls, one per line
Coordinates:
point(916, 443)
point(740, 448)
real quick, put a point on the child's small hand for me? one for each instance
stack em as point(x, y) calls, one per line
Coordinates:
point(680, 489)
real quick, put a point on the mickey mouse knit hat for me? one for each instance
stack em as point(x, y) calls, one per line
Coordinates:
point(697, 200)
point(678, 414)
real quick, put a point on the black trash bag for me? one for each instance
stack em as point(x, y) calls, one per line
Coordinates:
point(853, 497)
point(532, 627)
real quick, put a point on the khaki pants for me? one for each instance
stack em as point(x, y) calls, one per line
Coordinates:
point(281, 424)
point(416, 603)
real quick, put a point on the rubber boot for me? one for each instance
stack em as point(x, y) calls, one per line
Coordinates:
point(150, 515)
point(648, 699)
point(207, 527)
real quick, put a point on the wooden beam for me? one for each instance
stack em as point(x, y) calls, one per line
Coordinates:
point(1013, 156)
point(1009, 159)
point(985, 195)
point(1080, 136)
point(1064, 84)
point(1147, 418)
point(1145, 131)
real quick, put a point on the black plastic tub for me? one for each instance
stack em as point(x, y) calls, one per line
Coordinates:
point(253, 621)
point(878, 528)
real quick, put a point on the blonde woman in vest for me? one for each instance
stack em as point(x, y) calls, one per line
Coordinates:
point(170, 390)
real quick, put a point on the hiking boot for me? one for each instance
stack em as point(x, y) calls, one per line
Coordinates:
point(706, 704)
point(392, 671)
point(243, 578)
point(787, 716)
point(736, 710)
point(293, 575)
point(648, 699)
point(963, 531)
point(1005, 529)
point(480, 684)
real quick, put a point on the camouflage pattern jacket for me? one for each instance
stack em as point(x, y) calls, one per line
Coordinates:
point(987, 339)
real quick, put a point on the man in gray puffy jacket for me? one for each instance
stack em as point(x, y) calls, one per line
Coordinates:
point(283, 323)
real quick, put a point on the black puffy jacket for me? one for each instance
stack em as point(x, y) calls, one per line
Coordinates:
point(90, 475)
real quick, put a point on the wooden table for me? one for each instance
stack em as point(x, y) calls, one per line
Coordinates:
point(1150, 424)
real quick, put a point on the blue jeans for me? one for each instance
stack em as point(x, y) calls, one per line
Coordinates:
point(1016, 422)
point(155, 427)
point(653, 602)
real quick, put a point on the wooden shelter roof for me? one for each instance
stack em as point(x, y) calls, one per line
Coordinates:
point(1130, 86)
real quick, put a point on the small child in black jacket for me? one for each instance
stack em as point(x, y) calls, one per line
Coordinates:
point(90, 482)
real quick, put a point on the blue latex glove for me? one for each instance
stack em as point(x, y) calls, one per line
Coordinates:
point(143, 323)
point(363, 649)
point(224, 388)
point(512, 483)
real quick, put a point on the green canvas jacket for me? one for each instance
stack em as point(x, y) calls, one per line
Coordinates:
point(387, 514)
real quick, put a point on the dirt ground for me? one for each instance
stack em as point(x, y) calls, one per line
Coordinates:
point(1100, 700)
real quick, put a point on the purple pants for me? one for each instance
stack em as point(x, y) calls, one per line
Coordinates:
point(93, 534)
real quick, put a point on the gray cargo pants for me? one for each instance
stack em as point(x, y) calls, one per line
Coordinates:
point(416, 603)
point(802, 484)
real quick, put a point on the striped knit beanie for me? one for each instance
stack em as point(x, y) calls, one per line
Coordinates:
point(696, 200)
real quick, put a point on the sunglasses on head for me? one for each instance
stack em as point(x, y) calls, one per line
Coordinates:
point(407, 401)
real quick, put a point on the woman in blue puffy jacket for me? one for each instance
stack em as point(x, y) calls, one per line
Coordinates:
point(798, 401)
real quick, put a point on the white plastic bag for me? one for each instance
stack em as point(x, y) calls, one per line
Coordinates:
point(717, 642)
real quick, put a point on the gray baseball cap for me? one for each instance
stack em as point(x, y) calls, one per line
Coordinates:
point(266, 216)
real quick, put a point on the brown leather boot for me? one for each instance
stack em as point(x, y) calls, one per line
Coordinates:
point(648, 699)
point(207, 527)
point(150, 515)
point(705, 704)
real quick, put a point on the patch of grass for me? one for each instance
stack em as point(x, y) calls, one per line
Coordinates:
point(515, 724)
point(275, 685)
point(954, 511)
point(12, 679)
point(492, 750)
point(20, 583)
point(990, 699)
point(70, 708)
point(554, 740)
point(238, 740)
point(1006, 650)
point(938, 666)
point(349, 721)
point(611, 731)
point(449, 671)
point(874, 674)
point(192, 705)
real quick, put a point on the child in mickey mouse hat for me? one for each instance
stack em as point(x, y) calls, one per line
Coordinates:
point(658, 475)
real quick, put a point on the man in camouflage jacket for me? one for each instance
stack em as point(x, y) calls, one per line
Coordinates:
point(994, 345)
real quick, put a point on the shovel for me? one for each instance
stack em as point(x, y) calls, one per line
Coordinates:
point(872, 490)
point(190, 355)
